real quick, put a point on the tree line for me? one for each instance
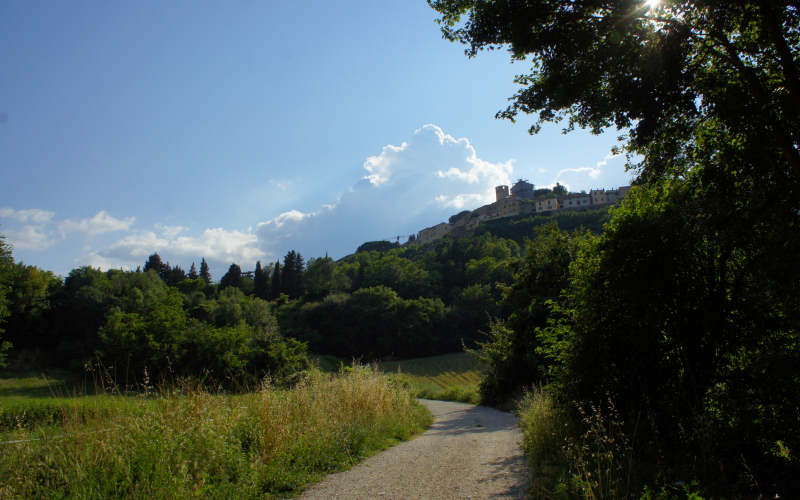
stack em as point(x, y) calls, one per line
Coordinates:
point(385, 301)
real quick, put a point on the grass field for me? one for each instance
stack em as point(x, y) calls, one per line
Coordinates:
point(188, 443)
point(31, 400)
point(451, 377)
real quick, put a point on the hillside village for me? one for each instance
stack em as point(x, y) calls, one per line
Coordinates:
point(521, 199)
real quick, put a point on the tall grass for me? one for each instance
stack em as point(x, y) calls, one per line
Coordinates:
point(188, 443)
point(545, 429)
point(583, 454)
point(586, 457)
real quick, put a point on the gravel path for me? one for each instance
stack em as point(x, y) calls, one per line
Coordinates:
point(469, 452)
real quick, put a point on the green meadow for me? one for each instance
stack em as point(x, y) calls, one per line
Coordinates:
point(451, 377)
point(186, 442)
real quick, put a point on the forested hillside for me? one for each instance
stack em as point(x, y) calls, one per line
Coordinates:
point(383, 302)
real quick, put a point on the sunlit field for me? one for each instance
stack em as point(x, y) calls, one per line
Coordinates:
point(453, 377)
point(188, 443)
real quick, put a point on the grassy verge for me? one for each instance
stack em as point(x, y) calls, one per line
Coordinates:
point(449, 377)
point(590, 458)
point(192, 444)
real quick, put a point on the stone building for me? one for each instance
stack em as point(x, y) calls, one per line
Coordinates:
point(519, 201)
point(434, 232)
point(522, 190)
point(574, 201)
point(501, 193)
point(546, 204)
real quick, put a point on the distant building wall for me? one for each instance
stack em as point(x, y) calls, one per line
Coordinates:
point(434, 232)
point(522, 190)
point(514, 204)
point(546, 205)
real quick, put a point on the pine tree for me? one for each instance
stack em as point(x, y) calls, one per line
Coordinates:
point(193, 272)
point(173, 275)
point(205, 273)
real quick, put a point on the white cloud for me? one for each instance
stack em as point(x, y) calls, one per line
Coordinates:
point(599, 176)
point(96, 260)
point(290, 216)
point(460, 201)
point(380, 167)
point(28, 215)
point(407, 187)
point(217, 245)
point(170, 231)
point(100, 223)
point(139, 244)
point(30, 237)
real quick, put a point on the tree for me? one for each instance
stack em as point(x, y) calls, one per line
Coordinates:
point(292, 274)
point(28, 300)
point(193, 272)
point(205, 273)
point(261, 282)
point(407, 278)
point(231, 278)
point(687, 310)
point(660, 71)
point(155, 263)
point(6, 263)
point(320, 278)
point(275, 283)
point(173, 275)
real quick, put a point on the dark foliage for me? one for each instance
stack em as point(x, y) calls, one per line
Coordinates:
point(685, 311)
point(377, 246)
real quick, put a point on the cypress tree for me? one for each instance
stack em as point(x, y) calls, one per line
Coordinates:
point(299, 272)
point(287, 276)
point(275, 288)
point(260, 282)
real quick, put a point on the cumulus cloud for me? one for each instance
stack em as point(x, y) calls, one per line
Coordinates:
point(217, 245)
point(406, 187)
point(99, 224)
point(35, 215)
point(599, 176)
point(170, 231)
point(31, 237)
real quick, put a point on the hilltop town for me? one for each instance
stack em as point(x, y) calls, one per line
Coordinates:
point(521, 199)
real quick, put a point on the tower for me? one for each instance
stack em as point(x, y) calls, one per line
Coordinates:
point(501, 192)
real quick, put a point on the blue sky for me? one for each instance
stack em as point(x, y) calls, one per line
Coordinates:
point(236, 131)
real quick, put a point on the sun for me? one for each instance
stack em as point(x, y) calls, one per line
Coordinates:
point(652, 4)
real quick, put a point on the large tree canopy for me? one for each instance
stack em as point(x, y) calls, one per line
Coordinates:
point(686, 311)
point(659, 69)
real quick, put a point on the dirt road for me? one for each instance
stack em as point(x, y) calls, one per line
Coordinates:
point(469, 452)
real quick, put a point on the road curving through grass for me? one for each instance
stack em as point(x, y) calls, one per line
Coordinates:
point(469, 452)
